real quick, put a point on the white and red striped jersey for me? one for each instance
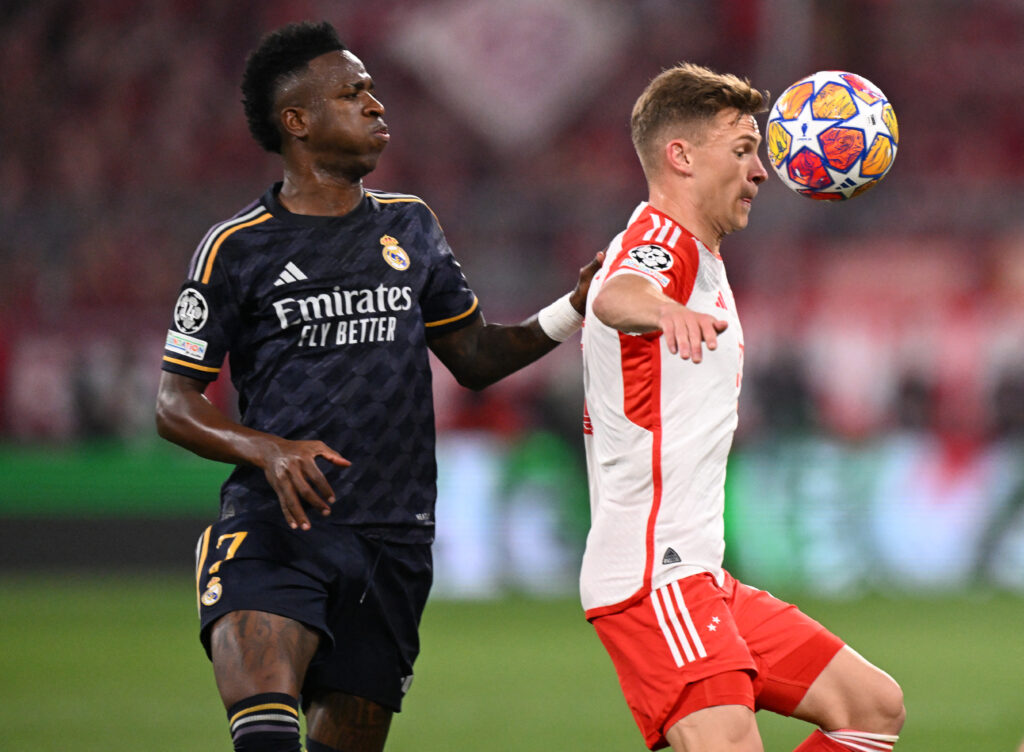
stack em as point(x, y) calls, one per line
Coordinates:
point(657, 428)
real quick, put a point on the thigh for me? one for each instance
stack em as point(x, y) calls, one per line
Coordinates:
point(262, 605)
point(790, 648)
point(255, 652)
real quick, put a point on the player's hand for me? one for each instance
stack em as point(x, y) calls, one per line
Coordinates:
point(291, 470)
point(685, 331)
point(578, 298)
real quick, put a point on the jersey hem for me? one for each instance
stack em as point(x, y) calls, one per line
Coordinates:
point(451, 320)
point(683, 572)
point(195, 371)
point(446, 326)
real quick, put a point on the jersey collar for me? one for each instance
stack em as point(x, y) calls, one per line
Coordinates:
point(274, 206)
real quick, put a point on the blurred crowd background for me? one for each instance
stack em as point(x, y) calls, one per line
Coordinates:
point(882, 414)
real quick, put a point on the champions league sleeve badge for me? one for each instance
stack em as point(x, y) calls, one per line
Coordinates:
point(651, 260)
point(191, 311)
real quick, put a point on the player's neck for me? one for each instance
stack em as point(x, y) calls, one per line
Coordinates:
point(311, 193)
point(686, 214)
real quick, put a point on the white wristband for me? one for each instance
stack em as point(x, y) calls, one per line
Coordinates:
point(560, 320)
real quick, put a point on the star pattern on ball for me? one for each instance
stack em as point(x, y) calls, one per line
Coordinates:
point(805, 132)
point(874, 122)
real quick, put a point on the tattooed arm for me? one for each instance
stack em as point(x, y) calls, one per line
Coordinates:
point(480, 354)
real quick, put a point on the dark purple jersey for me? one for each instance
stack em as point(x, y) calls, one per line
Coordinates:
point(326, 322)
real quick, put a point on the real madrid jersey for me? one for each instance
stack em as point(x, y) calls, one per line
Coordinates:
point(325, 322)
point(657, 428)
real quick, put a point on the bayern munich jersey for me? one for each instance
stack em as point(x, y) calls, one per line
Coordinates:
point(325, 321)
point(657, 428)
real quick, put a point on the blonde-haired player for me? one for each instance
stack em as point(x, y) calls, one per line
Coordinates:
point(696, 651)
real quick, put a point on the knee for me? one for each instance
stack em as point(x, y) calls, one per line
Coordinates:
point(889, 708)
point(873, 705)
point(879, 710)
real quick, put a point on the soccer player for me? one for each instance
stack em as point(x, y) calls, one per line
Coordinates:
point(326, 296)
point(696, 652)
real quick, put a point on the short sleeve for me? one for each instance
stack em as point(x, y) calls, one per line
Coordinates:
point(447, 302)
point(672, 270)
point(202, 324)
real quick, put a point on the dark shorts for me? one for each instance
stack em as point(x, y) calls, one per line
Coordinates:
point(365, 596)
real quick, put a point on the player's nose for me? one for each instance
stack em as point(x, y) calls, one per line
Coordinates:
point(759, 174)
point(373, 105)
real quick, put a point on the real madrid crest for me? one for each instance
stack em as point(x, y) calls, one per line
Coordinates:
point(213, 592)
point(394, 255)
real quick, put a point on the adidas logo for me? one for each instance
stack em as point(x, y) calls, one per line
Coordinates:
point(291, 273)
point(670, 557)
point(720, 302)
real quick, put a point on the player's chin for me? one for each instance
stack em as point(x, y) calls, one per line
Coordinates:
point(742, 219)
point(365, 164)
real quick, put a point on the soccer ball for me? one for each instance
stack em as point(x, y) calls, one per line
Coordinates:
point(832, 136)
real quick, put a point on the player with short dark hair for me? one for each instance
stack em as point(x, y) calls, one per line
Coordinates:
point(281, 55)
point(696, 651)
point(326, 296)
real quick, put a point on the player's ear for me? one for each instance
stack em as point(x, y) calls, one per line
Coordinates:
point(295, 121)
point(679, 156)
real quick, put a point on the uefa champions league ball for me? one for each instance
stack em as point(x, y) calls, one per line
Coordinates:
point(832, 136)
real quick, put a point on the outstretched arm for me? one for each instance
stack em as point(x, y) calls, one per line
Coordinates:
point(186, 417)
point(630, 303)
point(480, 354)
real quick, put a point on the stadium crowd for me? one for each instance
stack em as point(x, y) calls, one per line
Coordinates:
point(123, 140)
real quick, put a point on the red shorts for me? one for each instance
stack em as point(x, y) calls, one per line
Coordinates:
point(692, 644)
